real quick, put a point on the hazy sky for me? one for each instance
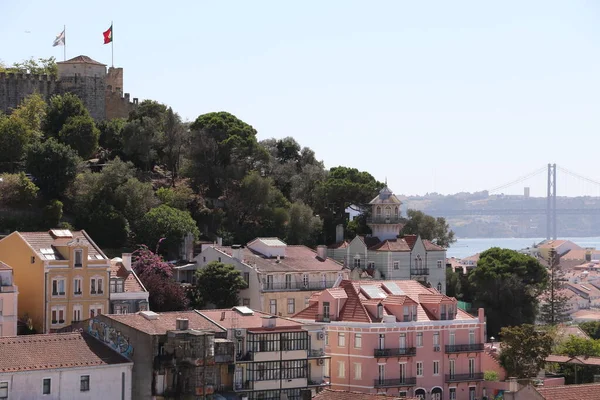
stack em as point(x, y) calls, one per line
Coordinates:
point(437, 96)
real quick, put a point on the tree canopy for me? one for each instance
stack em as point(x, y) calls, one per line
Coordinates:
point(507, 284)
point(219, 284)
point(524, 350)
point(53, 166)
point(436, 230)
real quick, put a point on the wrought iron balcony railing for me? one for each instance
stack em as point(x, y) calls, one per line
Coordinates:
point(475, 376)
point(384, 220)
point(405, 351)
point(285, 286)
point(397, 382)
point(419, 271)
point(464, 348)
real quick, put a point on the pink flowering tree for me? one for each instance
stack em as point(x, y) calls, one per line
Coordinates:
point(157, 276)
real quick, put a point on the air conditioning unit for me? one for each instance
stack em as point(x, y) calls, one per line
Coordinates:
point(239, 333)
point(320, 361)
point(320, 335)
point(436, 348)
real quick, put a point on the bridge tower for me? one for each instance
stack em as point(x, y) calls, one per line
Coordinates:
point(551, 203)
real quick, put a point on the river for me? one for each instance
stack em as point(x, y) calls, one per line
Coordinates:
point(465, 247)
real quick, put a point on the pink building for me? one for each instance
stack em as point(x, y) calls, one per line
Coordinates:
point(8, 302)
point(400, 338)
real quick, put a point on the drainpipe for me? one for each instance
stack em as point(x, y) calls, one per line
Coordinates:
point(44, 328)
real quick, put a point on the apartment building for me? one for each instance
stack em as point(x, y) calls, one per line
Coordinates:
point(62, 366)
point(273, 356)
point(400, 338)
point(62, 276)
point(127, 293)
point(281, 278)
point(8, 302)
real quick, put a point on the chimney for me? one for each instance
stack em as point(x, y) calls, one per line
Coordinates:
point(269, 321)
point(588, 256)
point(278, 259)
point(219, 241)
point(322, 252)
point(182, 324)
point(236, 252)
point(339, 233)
point(126, 257)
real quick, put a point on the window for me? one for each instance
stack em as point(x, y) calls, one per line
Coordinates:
point(77, 313)
point(305, 280)
point(100, 287)
point(452, 338)
point(471, 336)
point(402, 372)
point(273, 306)
point(219, 259)
point(357, 371)
point(419, 368)
point(121, 309)
point(203, 259)
point(95, 309)
point(306, 302)
point(357, 340)
point(402, 394)
point(381, 341)
point(84, 384)
point(406, 314)
point(291, 305)
point(33, 259)
point(396, 265)
point(451, 365)
point(419, 339)
point(247, 277)
point(58, 286)
point(381, 372)
point(380, 311)
point(93, 286)
point(439, 287)
point(3, 390)
point(440, 263)
point(341, 369)
point(403, 340)
point(436, 339)
point(341, 339)
point(357, 262)
point(78, 258)
point(120, 286)
point(57, 314)
point(246, 302)
point(436, 367)
point(471, 393)
point(77, 282)
point(325, 309)
point(113, 286)
point(269, 282)
point(371, 265)
point(288, 281)
point(378, 211)
point(47, 386)
point(471, 366)
point(452, 393)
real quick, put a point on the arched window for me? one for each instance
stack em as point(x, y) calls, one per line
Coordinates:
point(388, 212)
point(439, 287)
point(418, 262)
point(396, 212)
point(378, 211)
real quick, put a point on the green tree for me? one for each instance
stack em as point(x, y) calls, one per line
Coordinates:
point(14, 139)
point(592, 328)
point(60, 109)
point(140, 138)
point(46, 66)
point(179, 197)
point(577, 346)
point(223, 148)
point(436, 230)
point(219, 284)
point(32, 112)
point(111, 135)
point(53, 213)
point(507, 284)
point(174, 142)
point(53, 166)
point(524, 350)
point(490, 376)
point(168, 223)
point(554, 308)
point(17, 190)
point(303, 227)
point(81, 134)
point(109, 228)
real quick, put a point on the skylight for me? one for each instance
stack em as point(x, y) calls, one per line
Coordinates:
point(373, 292)
point(61, 233)
point(47, 251)
point(393, 288)
point(243, 310)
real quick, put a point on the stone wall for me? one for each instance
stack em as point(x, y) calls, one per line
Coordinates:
point(90, 89)
point(118, 106)
point(14, 88)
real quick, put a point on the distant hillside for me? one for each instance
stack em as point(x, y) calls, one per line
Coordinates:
point(507, 225)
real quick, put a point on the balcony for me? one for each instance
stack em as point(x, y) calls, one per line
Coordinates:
point(316, 353)
point(325, 318)
point(249, 356)
point(404, 352)
point(398, 382)
point(242, 386)
point(384, 220)
point(419, 271)
point(475, 376)
point(318, 383)
point(8, 289)
point(288, 286)
point(464, 348)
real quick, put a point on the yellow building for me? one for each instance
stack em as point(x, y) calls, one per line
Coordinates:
point(62, 276)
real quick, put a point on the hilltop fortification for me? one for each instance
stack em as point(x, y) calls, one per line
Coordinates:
point(100, 90)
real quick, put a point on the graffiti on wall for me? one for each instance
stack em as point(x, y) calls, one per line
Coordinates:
point(110, 336)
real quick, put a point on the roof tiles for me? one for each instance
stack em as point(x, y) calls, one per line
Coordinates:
point(132, 282)
point(165, 322)
point(570, 392)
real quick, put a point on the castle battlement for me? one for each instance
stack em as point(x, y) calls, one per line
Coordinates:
point(27, 77)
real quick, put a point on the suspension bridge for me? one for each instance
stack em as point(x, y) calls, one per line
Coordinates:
point(550, 209)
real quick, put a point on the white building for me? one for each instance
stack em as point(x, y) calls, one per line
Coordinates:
point(8, 302)
point(62, 366)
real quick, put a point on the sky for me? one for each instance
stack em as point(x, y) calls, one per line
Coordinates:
point(436, 96)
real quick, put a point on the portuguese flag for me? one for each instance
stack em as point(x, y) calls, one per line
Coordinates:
point(108, 35)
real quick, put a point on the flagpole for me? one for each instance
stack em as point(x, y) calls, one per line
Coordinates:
point(112, 43)
point(65, 46)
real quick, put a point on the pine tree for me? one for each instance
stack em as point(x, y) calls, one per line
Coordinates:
point(554, 309)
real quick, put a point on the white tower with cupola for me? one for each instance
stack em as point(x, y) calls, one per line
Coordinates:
point(385, 215)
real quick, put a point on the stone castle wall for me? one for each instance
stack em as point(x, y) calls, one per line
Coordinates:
point(14, 88)
point(90, 89)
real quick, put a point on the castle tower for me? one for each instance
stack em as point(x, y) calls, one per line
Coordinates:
point(114, 80)
point(385, 215)
point(86, 79)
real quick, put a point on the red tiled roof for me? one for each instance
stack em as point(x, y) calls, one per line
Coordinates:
point(337, 293)
point(132, 282)
point(309, 313)
point(45, 240)
point(297, 259)
point(166, 321)
point(410, 240)
point(81, 60)
point(570, 392)
point(56, 350)
point(432, 246)
point(229, 318)
point(330, 394)
point(391, 245)
point(369, 241)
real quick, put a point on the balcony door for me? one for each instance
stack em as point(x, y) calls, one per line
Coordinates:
point(288, 281)
point(471, 367)
point(326, 309)
point(381, 373)
point(381, 341)
point(402, 372)
point(451, 367)
point(403, 340)
point(269, 282)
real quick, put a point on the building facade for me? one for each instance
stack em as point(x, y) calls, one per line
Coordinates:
point(281, 278)
point(127, 293)
point(62, 276)
point(62, 366)
point(8, 302)
point(400, 338)
point(273, 356)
